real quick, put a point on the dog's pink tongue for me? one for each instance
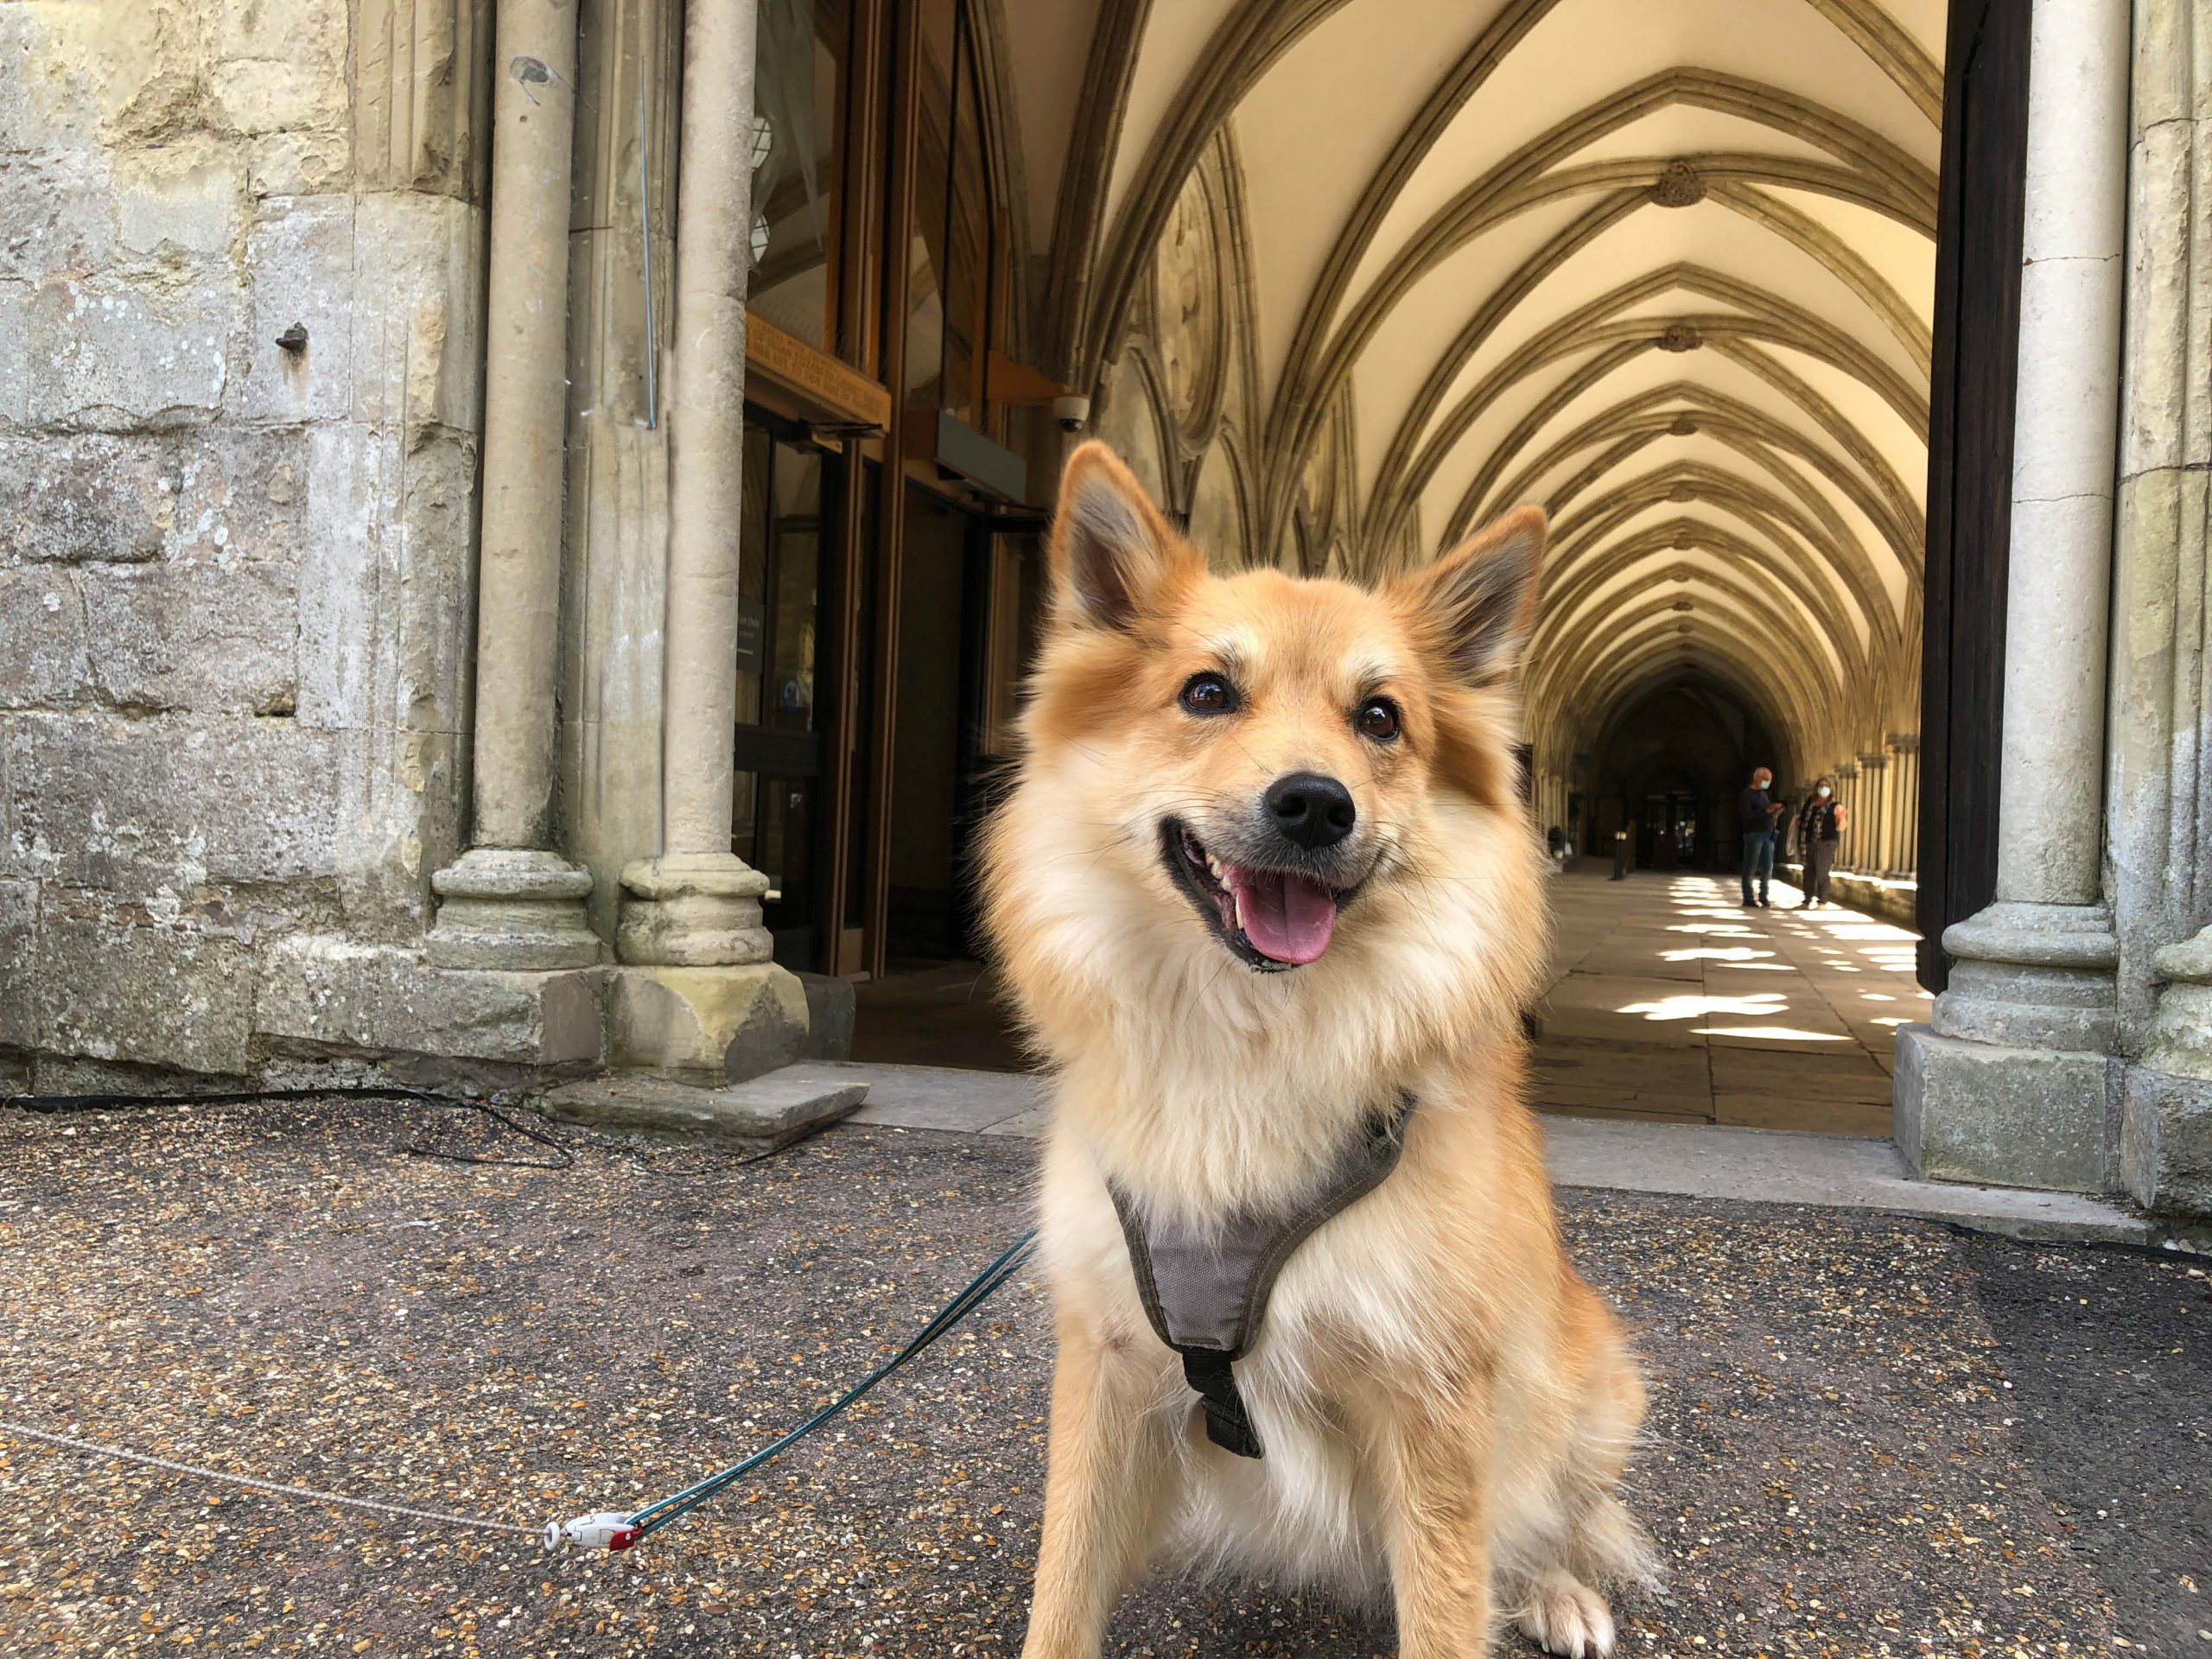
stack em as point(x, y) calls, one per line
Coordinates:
point(1287, 917)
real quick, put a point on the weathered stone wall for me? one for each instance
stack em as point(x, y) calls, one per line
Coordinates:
point(240, 351)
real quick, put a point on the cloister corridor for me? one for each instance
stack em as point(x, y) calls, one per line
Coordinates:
point(1671, 1002)
point(1668, 1003)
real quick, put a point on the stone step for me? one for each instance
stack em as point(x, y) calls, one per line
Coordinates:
point(757, 1115)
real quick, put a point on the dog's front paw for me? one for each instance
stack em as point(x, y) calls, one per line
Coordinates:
point(1563, 1615)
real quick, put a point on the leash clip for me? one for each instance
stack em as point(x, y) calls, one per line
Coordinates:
point(608, 1529)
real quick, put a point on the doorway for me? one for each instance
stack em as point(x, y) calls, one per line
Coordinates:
point(929, 917)
point(792, 486)
point(1970, 467)
point(968, 599)
point(1667, 838)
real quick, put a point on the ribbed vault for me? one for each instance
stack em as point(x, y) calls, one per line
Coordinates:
point(1665, 268)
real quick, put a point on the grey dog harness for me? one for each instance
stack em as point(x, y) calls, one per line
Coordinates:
point(1206, 1291)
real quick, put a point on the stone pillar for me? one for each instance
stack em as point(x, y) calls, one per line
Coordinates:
point(2012, 1085)
point(1906, 747)
point(698, 904)
point(1846, 791)
point(2161, 728)
point(615, 598)
point(702, 996)
point(2166, 1099)
point(1888, 780)
point(511, 902)
point(1893, 814)
point(1874, 785)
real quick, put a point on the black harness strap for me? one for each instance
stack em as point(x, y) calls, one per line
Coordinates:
point(1206, 1291)
point(1227, 1426)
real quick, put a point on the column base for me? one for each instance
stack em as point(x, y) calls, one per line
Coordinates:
point(513, 908)
point(2032, 977)
point(2165, 1142)
point(692, 910)
point(711, 1025)
point(2013, 1083)
point(2165, 1137)
point(1969, 1111)
point(331, 994)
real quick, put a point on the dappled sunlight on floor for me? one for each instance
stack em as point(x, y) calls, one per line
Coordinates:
point(1773, 1034)
point(1690, 1007)
point(1654, 1011)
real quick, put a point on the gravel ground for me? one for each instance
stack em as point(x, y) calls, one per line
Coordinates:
point(1867, 1437)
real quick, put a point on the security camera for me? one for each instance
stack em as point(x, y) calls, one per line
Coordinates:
point(1071, 412)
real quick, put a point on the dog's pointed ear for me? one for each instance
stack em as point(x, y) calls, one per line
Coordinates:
point(1111, 551)
point(1476, 604)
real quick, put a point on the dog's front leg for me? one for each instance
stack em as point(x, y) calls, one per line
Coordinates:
point(1107, 1488)
point(1433, 1464)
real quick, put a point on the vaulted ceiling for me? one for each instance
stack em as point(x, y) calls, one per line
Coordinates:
point(1665, 266)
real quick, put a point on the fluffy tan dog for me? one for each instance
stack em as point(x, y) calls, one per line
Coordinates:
point(1263, 873)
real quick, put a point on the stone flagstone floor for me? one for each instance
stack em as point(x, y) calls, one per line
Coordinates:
point(1672, 1002)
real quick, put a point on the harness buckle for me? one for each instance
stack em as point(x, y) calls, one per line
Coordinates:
point(1229, 1426)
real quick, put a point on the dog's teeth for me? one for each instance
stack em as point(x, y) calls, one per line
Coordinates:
point(1214, 864)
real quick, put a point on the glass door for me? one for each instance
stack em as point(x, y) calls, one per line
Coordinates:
point(790, 492)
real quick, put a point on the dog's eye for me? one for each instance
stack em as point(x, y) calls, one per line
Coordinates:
point(1209, 694)
point(1378, 719)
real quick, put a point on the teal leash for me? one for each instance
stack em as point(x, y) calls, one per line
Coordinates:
point(613, 1529)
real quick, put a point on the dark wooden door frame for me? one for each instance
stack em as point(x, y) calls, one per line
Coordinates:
point(891, 501)
point(1970, 465)
point(846, 572)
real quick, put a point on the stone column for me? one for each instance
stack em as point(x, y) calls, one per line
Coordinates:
point(2160, 838)
point(615, 601)
point(1846, 791)
point(1869, 850)
point(1874, 787)
point(1912, 820)
point(511, 902)
point(698, 904)
point(1881, 795)
point(1900, 782)
point(1893, 813)
point(705, 999)
point(2013, 1087)
point(1906, 747)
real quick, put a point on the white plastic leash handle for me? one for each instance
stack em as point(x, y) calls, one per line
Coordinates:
point(608, 1529)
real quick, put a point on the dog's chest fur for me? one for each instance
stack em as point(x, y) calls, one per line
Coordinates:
point(1342, 1308)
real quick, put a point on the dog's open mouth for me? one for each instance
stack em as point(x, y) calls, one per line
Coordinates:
point(1270, 919)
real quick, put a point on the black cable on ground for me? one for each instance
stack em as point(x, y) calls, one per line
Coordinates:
point(564, 1149)
point(564, 1155)
point(652, 1162)
point(425, 1147)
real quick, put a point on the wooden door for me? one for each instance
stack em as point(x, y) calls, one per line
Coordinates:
point(1970, 465)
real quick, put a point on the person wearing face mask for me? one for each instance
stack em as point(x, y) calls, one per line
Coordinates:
point(1758, 810)
point(1820, 824)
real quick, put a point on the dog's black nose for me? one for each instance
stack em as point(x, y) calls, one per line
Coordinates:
point(1311, 809)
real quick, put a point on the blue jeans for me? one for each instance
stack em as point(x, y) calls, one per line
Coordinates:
point(1758, 860)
